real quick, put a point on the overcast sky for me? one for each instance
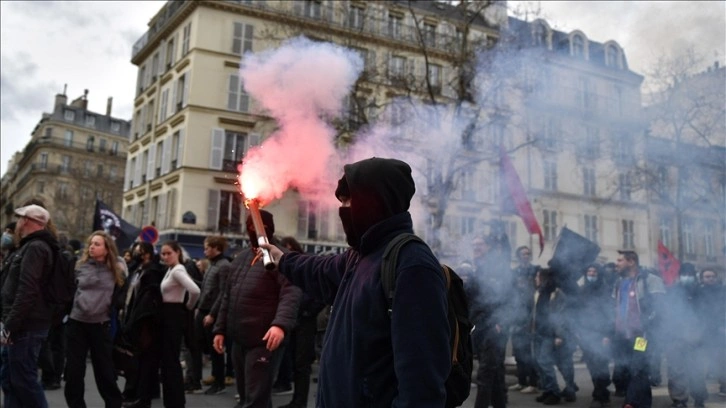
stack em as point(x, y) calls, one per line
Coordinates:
point(87, 45)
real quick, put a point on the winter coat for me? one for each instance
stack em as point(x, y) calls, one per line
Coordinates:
point(371, 359)
point(594, 310)
point(212, 284)
point(142, 316)
point(23, 306)
point(254, 300)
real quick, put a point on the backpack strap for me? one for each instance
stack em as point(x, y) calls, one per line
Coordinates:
point(454, 352)
point(389, 263)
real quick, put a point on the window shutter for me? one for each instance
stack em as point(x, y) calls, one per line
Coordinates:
point(185, 95)
point(150, 171)
point(175, 99)
point(171, 210)
point(180, 149)
point(137, 175)
point(161, 68)
point(173, 49)
point(161, 212)
point(215, 156)
point(166, 157)
point(213, 210)
point(127, 179)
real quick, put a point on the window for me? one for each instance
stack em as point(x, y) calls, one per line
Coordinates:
point(313, 8)
point(65, 164)
point(395, 24)
point(159, 158)
point(99, 171)
point(234, 150)
point(40, 187)
point(180, 92)
point(551, 133)
point(624, 186)
point(550, 224)
point(185, 38)
point(175, 149)
point(591, 227)
point(429, 34)
point(130, 172)
point(87, 168)
point(69, 115)
point(48, 132)
point(237, 99)
point(163, 106)
point(62, 190)
point(90, 121)
point(115, 127)
point(397, 67)
point(154, 66)
point(628, 234)
point(230, 212)
point(468, 187)
point(588, 175)
point(539, 35)
point(170, 51)
point(144, 165)
point(434, 74)
point(89, 143)
point(664, 228)
point(708, 238)
point(141, 79)
point(307, 223)
point(68, 139)
point(114, 148)
point(242, 39)
point(578, 46)
point(623, 150)
point(616, 101)
point(102, 145)
point(550, 175)
point(591, 144)
point(356, 17)
point(467, 225)
point(585, 94)
point(611, 56)
point(44, 160)
point(689, 244)
point(112, 173)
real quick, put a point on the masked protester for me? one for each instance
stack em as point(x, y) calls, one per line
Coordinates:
point(373, 357)
point(685, 347)
point(713, 295)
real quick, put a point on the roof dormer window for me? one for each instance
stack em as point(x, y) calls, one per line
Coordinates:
point(612, 56)
point(578, 46)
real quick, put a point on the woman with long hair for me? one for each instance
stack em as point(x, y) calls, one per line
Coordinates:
point(175, 284)
point(100, 281)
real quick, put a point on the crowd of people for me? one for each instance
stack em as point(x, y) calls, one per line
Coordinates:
point(620, 313)
point(150, 315)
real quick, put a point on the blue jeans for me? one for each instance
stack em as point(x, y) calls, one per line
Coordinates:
point(19, 374)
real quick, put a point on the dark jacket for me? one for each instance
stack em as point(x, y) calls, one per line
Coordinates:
point(24, 307)
point(548, 314)
point(212, 284)
point(254, 300)
point(594, 310)
point(142, 316)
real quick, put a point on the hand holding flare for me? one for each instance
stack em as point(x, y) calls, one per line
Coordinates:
point(254, 206)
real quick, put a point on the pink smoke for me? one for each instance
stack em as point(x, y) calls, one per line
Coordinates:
point(298, 84)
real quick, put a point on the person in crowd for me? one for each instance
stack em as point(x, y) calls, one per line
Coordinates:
point(213, 282)
point(141, 326)
point(176, 285)
point(100, 281)
point(594, 323)
point(713, 299)
point(553, 339)
point(128, 256)
point(685, 347)
point(258, 310)
point(301, 344)
point(7, 241)
point(488, 297)
point(203, 266)
point(638, 300)
point(373, 356)
point(26, 316)
point(521, 336)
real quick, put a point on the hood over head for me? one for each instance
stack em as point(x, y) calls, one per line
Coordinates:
point(378, 189)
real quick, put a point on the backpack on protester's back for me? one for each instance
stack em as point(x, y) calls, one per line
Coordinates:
point(458, 384)
point(60, 282)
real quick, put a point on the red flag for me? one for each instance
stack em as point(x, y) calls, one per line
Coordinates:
point(514, 199)
point(667, 264)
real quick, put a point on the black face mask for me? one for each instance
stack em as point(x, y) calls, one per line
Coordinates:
point(346, 217)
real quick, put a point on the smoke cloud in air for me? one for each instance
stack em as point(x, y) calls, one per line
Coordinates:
point(299, 84)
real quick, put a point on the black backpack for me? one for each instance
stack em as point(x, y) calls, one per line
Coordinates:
point(60, 282)
point(458, 384)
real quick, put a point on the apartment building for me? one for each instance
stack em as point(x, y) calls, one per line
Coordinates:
point(74, 155)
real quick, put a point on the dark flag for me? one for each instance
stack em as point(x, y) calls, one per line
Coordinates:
point(572, 255)
point(105, 219)
point(667, 264)
point(514, 199)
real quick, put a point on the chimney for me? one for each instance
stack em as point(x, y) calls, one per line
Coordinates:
point(109, 103)
point(61, 99)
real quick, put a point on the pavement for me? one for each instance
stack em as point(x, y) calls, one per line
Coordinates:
point(516, 398)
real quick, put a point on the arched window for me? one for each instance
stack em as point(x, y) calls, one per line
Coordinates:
point(539, 35)
point(578, 46)
point(612, 55)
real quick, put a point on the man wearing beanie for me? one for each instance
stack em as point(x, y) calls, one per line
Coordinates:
point(373, 356)
point(25, 314)
point(258, 309)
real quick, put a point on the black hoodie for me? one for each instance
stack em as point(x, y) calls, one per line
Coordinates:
point(24, 307)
